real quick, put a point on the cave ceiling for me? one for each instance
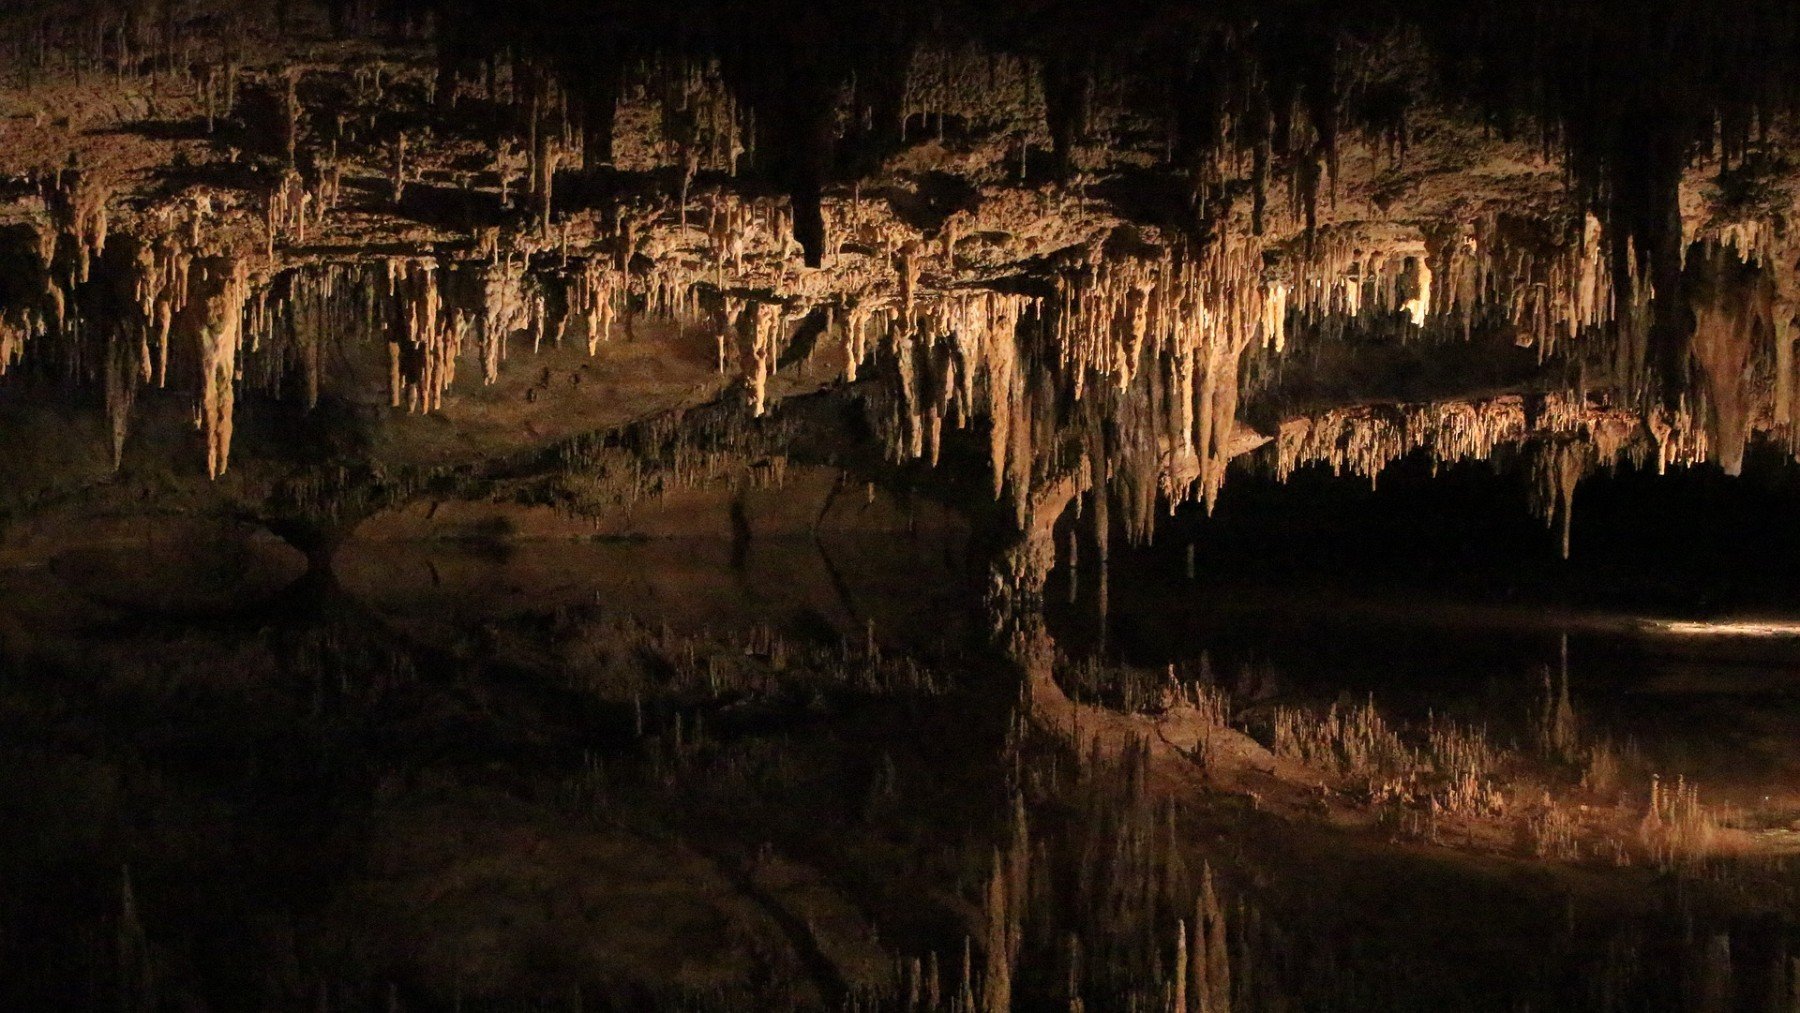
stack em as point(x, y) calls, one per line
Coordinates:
point(296, 260)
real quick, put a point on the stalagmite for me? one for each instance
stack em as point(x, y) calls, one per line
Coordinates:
point(290, 118)
point(1210, 954)
point(1180, 1003)
point(996, 984)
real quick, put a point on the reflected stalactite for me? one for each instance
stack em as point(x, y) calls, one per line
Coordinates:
point(508, 305)
point(595, 297)
point(422, 355)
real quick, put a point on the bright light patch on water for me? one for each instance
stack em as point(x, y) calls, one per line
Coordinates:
point(1726, 628)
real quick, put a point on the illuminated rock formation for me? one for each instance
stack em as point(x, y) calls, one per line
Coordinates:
point(219, 289)
point(1008, 239)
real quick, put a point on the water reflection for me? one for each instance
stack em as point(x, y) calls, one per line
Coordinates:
point(785, 772)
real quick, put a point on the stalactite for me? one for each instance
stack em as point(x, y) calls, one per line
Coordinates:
point(1197, 313)
point(857, 317)
point(220, 291)
point(547, 151)
point(1557, 467)
point(1733, 304)
point(77, 202)
point(161, 273)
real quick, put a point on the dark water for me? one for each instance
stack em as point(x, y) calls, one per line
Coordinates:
point(692, 773)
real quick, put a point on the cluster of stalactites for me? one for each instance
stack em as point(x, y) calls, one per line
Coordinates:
point(160, 286)
point(509, 304)
point(303, 308)
point(77, 204)
point(1185, 322)
point(1364, 440)
point(958, 359)
point(16, 330)
point(738, 230)
point(1549, 282)
point(22, 322)
point(1344, 274)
